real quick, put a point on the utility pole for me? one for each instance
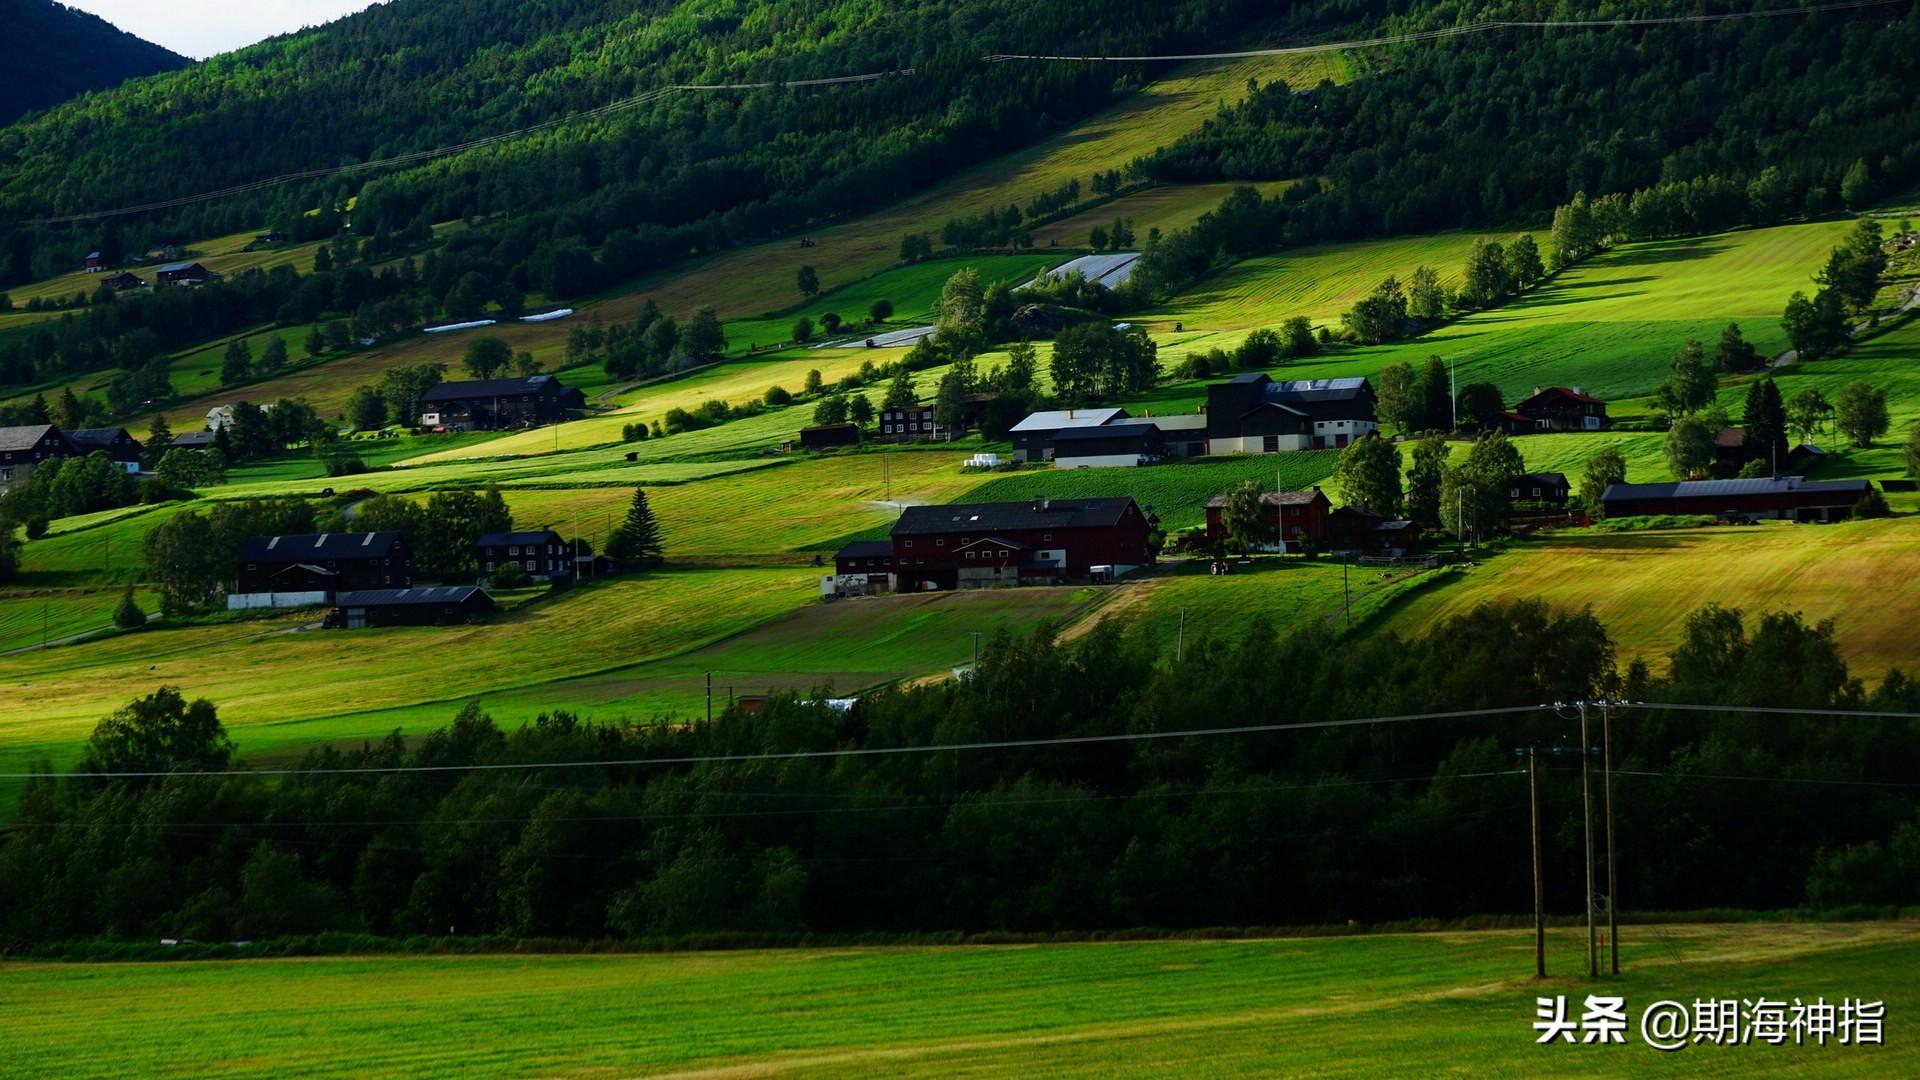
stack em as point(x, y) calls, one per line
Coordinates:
point(1180, 642)
point(975, 635)
point(1453, 394)
point(1606, 783)
point(709, 696)
point(1586, 814)
point(1539, 878)
point(886, 471)
point(1346, 562)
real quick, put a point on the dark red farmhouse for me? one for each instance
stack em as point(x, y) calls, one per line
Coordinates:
point(978, 545)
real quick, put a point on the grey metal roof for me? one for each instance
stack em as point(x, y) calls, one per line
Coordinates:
point(1108, 431)
point(1057, 419)
point(1277, 498)
point(96, 436)
point(170, 267)
point(303, 546)
point(480, 388)
point(1765, 485)
point(1008, 516)
point(23, 438)
point(442, 594)
point(1193, 421)
point(1302, 386)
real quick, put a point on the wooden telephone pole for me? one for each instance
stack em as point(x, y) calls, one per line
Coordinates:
point(1539, 877)
point(1606, 783)
point(1586, 815)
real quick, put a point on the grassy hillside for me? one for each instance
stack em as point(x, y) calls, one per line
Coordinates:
point(1408, 1005)
point(1859, 574)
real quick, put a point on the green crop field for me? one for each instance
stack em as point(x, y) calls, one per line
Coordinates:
point(26, 620)
point(1859, 574)
point(1166, 207)
point(1178, 490)
point(1442, 1004)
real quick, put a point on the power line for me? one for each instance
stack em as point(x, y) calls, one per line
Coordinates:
point(420, 156)
point(1457, 31)
point(1774, 710)
point(1766, 779)
point(803, 755)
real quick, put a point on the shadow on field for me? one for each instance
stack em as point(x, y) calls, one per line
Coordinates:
point(1666, 251)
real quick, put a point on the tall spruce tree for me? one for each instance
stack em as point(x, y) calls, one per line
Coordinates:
point(637, 542)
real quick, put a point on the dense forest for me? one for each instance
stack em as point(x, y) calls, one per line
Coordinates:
point(1727, 123)
point(53, 52)
point(739, 825)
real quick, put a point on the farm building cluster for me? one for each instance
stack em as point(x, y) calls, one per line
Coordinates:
point(23, 448)
point(985, 545)
point(494, 404)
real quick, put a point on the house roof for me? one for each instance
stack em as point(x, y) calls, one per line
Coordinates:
point(538, 536)
point(865, 549)
point(481, 388)
point(1140, 430)
point(302, 546)
point(90, 435)
point(1545, 479)
point(193, 439)
point(1561, 391)
point(1012, 516)
point(1193, 421)
point(171, 267)
point(830, 427)
point(1276, 498)
point(1056, 419)
point(1731, 438)
point(1764, 485)
point(25, 437)
point(442, 594)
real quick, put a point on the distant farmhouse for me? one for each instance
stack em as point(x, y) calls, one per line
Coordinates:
point(94, 263)
point(313, 568)
point(22, 449)
point(447, 605)
point(864, 566)
point(1125, 443)
point(829, 436)
point(1353, 530)
point(913, 423)
point(1541, 487)
point(123, 282)
point(1791, 498)
point(116, 443)
point(184, 273)
point(192, 440)
point(1558, 408)
point(978, 545)
point(1253, 414)
point(492, 404)
point(543, 553)
point(1294, 519)
point(1033, 437)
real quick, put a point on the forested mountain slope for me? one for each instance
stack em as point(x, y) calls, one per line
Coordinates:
point(52, 52)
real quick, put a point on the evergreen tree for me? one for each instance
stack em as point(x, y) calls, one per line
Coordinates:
point(237, 366)
point(127, 615)
point(704, 336)
point(901, 393)
point(1764, 421)
point(1690, 384)
point(808, 281)
point(1436, 395)
point(316, 342)
point(1426, 477)
point(637, 542)
point(1735, 353)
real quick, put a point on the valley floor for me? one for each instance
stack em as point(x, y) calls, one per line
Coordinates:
point(1414, 1005)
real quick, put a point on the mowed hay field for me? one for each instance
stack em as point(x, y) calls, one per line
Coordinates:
point(1642, 585)
point(1442, 1004)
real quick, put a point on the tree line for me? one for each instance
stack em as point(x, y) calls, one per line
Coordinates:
point(1416, 820)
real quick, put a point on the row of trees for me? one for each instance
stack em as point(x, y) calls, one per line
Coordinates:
point(1316, 826)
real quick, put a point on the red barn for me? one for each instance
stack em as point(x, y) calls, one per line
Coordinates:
point(1296, 516)
point(975, 545)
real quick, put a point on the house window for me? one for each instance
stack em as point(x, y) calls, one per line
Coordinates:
point(1046, 536)
point(1536, 493)
point(1514, 494)
point(969, 554)
point(909, 543)
point(939, 543)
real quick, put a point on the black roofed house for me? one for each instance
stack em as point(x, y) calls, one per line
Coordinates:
point(1793, 498)
point(542, 552)
point(972, 545)
point(192, 440)
point(24, 448)
point(116, 443)
point(184, 273)
point(491, 404)
point(445, 605)
point(1253, 414)
point(1033, 437)
point(1559, 408)
point(1121, 444)
point(311, 568)
point(1355, 530)
point(912, 423)
point(827, 436)
point(1540, 487)
point(863, 566)
point(123, 281)
point(94, 262)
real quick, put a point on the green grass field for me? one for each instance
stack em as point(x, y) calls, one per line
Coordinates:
point(28, 620)
point(1441, 1004)
point(1859, 574)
